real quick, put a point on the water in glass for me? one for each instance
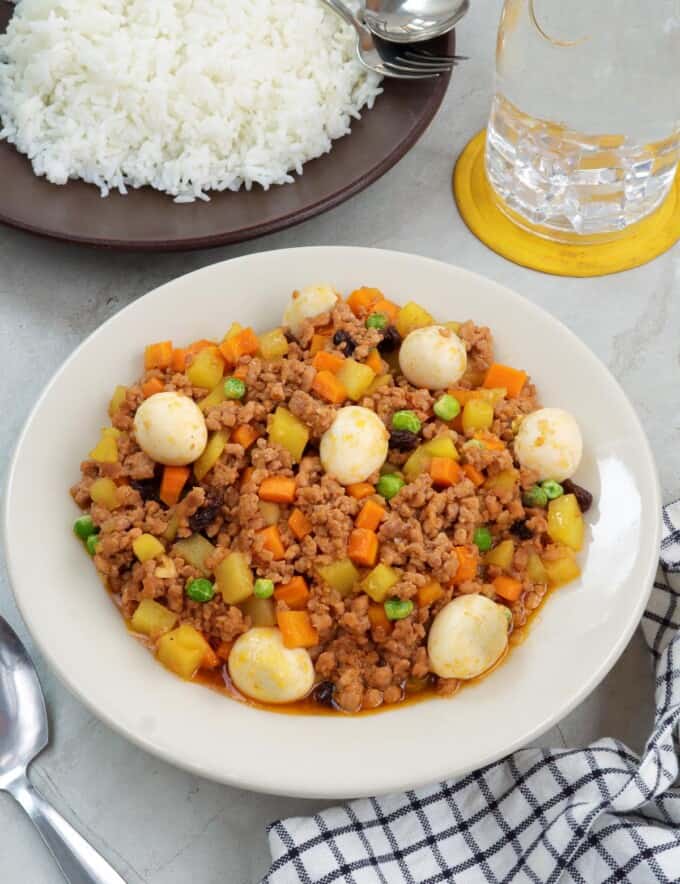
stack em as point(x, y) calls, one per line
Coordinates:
point(584, 134)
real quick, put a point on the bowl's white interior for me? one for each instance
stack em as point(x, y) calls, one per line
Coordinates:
point(580, 632)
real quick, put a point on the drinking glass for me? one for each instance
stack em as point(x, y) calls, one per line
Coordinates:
point(584, 135)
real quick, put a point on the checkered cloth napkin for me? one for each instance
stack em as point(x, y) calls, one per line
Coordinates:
point(594, 815)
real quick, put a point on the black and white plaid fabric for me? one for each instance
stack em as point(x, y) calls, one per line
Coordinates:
point(597, 815)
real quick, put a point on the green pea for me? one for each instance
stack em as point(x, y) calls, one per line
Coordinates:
point(263, 589)
point(376, 320)
point(84, 527)
point(234, 388)
point(397, 609)
point(535, 496)
point(200, 590)
point(406, 420)
point(447, 407)
point(482, 539)
point(91, 544)
point(389, 485)
point(552, 489)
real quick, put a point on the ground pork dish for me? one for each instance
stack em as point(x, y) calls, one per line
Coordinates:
point(356, 507)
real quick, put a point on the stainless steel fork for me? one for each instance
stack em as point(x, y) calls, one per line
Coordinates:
point(411, 65)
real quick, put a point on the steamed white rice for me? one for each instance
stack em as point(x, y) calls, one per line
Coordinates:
point(187, 96)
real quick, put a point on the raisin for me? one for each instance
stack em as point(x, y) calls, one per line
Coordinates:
point(404, 440)
point(583, 498)
point(391, 340)
point(521, 530)
point(149, 489)
point(206, 514)
point(345, 342)
point(323, 693)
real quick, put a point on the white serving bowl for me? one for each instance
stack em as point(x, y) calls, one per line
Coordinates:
point(580, 632)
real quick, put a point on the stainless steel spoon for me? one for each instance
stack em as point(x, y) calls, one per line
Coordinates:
point(23, 735)
point(412, 21)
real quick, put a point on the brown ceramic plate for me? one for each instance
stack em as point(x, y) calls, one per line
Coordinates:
point(146, 219)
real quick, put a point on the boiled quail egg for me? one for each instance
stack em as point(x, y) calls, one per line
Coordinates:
point(354, 446)
point(433, 357)
point(467, 636)
point(307, 303)
point(263, 668)
point(549, 442)
point(171, 429)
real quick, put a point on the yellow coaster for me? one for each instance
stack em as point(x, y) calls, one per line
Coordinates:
point(640, 243)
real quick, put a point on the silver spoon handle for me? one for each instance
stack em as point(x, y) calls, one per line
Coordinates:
point(79, 861)
point(345, 13)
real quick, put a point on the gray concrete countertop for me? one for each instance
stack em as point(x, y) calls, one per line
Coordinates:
point(159, 825)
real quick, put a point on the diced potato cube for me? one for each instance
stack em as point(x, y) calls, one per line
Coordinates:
point(454, 326)
point(165, 568)
point(271, 512)
point(356, 378)
point(535, 570)
point(503, 482)
point(214, 398)
point(289, 432)
point(152, 619)
point(381, 380)
point(419, 461)
point(410, 317)
point(442, 446)
point(234, 578)
point(562, 570)
point(171, 531)
point(182, 650)
point(195, 550)
point(117, 399)
point(211, 454)
point(112, 432)
point(477, 415)
point(207, 368)
point(106, 450)
point(341, 576)
point(273, 344)
point(104, 491)
point(234, 329)
point(502, 555)
point(147, 547)
point(262, 612)
point(379, 581)
point(565, 522)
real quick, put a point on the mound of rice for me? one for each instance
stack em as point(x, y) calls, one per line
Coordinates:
point(187, 96)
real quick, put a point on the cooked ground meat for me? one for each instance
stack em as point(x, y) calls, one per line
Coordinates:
point(425, 532)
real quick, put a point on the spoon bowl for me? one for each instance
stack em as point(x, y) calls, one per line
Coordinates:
point(413, 21)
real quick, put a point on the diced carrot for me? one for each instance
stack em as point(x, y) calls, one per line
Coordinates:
point(389, 308)
point(363, 298)
point(359, 490)
point(445, 471)
point(271, 541)
point(245, 343)
point(173, 481)
point(153, 385)
point(378, 618)
point(490, 440)
point(371, 516)
point(374, 362)
point(296, 629)
point(457, 424)
point(299, 524)
point(247, 474)
point(179, 359)
point(429, 594)
point(329, 387)
point(318, 343)
point(513, 379)
point(158, 355)
point(508, 588)
point(210, 659)
point(324, 361)
point(241, 372)
point(468, 558)
point(244, 435)
point(294, 593)
point(224, 649)
point(278, 489)
point(197, 346)
point(363, 547)
point(473, 475)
